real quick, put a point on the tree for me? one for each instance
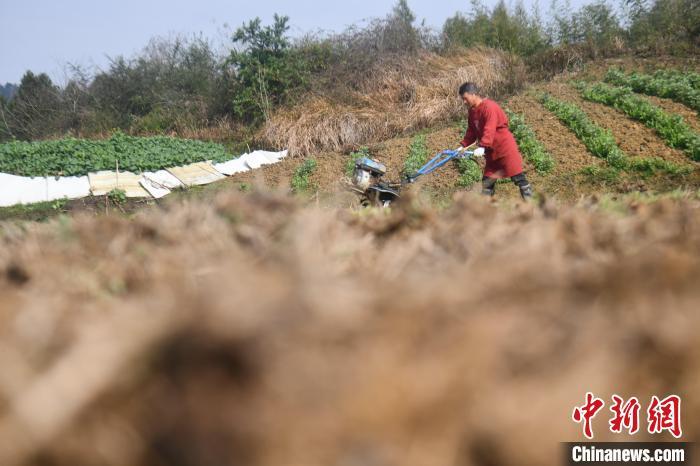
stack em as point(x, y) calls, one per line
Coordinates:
point(266, 68)
point(597, 26)
point(515, 31)
point(35, 110)
point(399, 34)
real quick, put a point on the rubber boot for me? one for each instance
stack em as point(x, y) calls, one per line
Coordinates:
point(526, 192)
point(488, 186)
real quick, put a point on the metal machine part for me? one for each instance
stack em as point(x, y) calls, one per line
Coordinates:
point(367, 172)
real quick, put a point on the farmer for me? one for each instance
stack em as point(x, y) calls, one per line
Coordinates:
point(489, 124)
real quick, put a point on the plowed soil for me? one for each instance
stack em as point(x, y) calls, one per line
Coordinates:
point(634, 138)
point(674, 108)
point(569, 153)
point(597, 71)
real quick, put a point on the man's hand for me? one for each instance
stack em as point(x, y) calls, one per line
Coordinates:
point(479, 152)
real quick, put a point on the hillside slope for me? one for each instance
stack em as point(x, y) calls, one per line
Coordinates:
point(571, 177)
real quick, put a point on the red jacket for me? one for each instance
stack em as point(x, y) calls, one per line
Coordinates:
point(489, 124)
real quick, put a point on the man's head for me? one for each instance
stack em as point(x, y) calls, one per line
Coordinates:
point(469, 92)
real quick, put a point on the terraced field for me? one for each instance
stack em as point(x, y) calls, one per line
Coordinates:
point(659, 143)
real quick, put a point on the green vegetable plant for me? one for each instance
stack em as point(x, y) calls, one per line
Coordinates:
point(75, 157)
point(417, 155)
point(300, 179)
point(532, 149)
point(469, 173)
point(598, 141)
point(683, 88)
point(672, 128)
point(118, 196)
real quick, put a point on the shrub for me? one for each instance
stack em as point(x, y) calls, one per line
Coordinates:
point(513, 30)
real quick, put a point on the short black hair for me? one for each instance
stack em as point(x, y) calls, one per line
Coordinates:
point(470, 88)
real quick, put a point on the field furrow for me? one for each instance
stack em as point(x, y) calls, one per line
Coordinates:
point(633, 137)
point(568, 152)
point(674, 108)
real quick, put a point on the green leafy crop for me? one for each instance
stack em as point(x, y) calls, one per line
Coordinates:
point(79, 156)
point(417, 155)
point(300, 179)
point(470, 172)
point(681, 87)
point(532, 149)
point(671, 128)
point(599, 142)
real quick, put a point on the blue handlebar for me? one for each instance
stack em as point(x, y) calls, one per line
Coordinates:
point(440, 159)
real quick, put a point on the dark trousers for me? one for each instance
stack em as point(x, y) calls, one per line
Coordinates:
point(488, 185)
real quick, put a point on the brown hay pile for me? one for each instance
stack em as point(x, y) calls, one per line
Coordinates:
point(253, 330)
point(412, 93)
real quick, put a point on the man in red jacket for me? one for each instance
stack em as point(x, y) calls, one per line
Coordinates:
point(489, 124)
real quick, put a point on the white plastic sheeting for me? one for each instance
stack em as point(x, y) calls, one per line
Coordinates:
point(232, 166)
point(196, 174)
point(103, 182)
point(21, 190)
point(250, 161)
point(69, 187)
point(25, 190)
point(259, 158)
point(160, 183)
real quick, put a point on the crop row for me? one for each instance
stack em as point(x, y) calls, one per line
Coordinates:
point(692, 78)
point(671, 128)
point(532, 149)
point(676, 87)
point(69, 157)
point(601, 142)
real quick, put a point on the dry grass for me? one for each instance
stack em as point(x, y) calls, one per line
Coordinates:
point(410, 94)
point(254, 330)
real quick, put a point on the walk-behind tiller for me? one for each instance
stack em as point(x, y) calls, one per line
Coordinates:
point(367, 176)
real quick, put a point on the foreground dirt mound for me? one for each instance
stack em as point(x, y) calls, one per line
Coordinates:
point(254, 330)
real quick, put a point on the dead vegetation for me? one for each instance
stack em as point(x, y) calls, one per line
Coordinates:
point(255, 330)
point(396, 97)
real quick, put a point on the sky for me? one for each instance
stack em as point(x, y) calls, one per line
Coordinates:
point(45, 35)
